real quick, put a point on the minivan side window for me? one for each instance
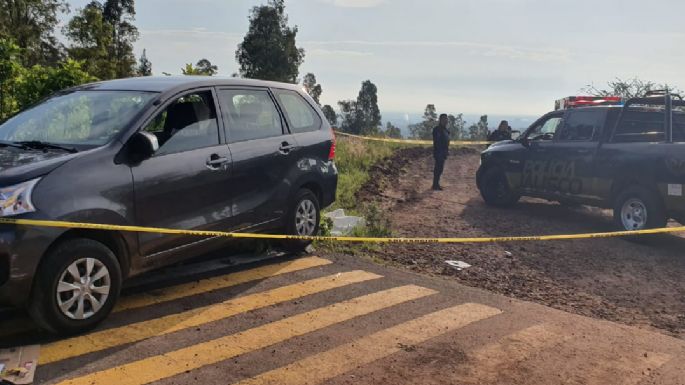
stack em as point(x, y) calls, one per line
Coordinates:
point(249, 115)
point(641, 124)
point(581, 125)
point(300, 114)
point(545, 130)
point(189, 123)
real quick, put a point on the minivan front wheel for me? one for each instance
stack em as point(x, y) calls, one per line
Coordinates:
point(76, 287)
point(303, 219)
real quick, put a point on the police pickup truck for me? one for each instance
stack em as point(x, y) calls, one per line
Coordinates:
point(626, 155)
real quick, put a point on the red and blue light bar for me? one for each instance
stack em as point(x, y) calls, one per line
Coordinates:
point(585, 101)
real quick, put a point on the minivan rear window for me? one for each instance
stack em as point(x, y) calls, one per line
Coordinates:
point(301, 116)
point(88, 118)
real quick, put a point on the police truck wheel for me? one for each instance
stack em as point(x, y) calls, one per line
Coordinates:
point(303, 219)
point(76, 287)
point(495, 189)
point(637, 208)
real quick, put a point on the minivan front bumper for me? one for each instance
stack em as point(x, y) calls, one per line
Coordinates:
point(21, 249)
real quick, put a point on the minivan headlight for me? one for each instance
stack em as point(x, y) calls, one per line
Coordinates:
point(15, 200)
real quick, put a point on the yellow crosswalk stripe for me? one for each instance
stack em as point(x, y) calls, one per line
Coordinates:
point(325, 366)
point(216, 283)
point(109, 338)
point(176, 362)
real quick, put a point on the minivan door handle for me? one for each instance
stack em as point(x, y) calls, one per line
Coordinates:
point(286, 148)
point(216, 162)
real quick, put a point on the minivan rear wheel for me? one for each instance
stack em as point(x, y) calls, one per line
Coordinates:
point(76, 287)
point(303, 219)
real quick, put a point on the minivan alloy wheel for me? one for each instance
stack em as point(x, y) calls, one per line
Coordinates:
point(83, 288)
point(305, 218)
point(634, 214)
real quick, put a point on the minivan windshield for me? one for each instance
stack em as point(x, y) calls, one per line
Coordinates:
point(79, 118)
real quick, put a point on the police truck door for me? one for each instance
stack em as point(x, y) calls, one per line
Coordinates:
point(575, 150)
point(536, 160)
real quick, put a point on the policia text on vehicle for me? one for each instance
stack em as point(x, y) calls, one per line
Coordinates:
point(604, 152)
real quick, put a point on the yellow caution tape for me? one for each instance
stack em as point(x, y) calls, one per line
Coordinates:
point(413, 141)
point(139, 229)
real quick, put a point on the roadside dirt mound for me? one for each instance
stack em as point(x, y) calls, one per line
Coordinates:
point(614, 279)
point(385, 174)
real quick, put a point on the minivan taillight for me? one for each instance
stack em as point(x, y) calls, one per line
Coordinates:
point(331, 153)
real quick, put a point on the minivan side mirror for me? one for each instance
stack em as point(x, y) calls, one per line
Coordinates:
point(150, 142)
point(141, 146)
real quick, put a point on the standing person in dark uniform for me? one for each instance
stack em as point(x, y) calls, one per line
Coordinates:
point(441, 146)
point(503, 132)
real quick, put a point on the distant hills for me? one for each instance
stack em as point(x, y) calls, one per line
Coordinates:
point(403, 120)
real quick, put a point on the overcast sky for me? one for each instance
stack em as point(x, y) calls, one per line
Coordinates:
point(472, 56)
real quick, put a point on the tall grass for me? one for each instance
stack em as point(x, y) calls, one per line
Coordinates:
point(354, 158)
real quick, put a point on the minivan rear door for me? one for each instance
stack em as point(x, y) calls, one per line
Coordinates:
point(305, 124)
point(185, 184)
point(263, 153)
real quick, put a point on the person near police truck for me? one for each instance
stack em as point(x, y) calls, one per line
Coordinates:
point(503, 132)
point(441, 146)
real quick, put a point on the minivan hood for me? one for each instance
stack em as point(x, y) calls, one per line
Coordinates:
point(19, 165)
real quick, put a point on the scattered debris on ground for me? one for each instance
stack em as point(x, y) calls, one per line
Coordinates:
point(18, 365)
point(614, 279)
point(459, 265)
point(343, 224)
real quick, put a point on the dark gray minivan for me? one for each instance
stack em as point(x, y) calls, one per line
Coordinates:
point(200, 153)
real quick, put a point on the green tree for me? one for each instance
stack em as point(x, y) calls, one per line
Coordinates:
point(31, 24)
point(190, 70)
point(424, 130)
point(456, 126)
point(144, 66)
point(120, 14)
point(205, 67)
point(349, 117)
point(269, 50)
point(479, 130)
point(102, 36)
point(367, 108)
point(91, 37)
point(22, 86)
point(38, 82)
point(330, 115)
point(392, 131)
point(627, 88)
point(10, 68)
point(312, 87)
point(362, 116)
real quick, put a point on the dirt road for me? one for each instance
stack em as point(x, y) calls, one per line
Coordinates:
point(640, 284)
point(344, 321)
